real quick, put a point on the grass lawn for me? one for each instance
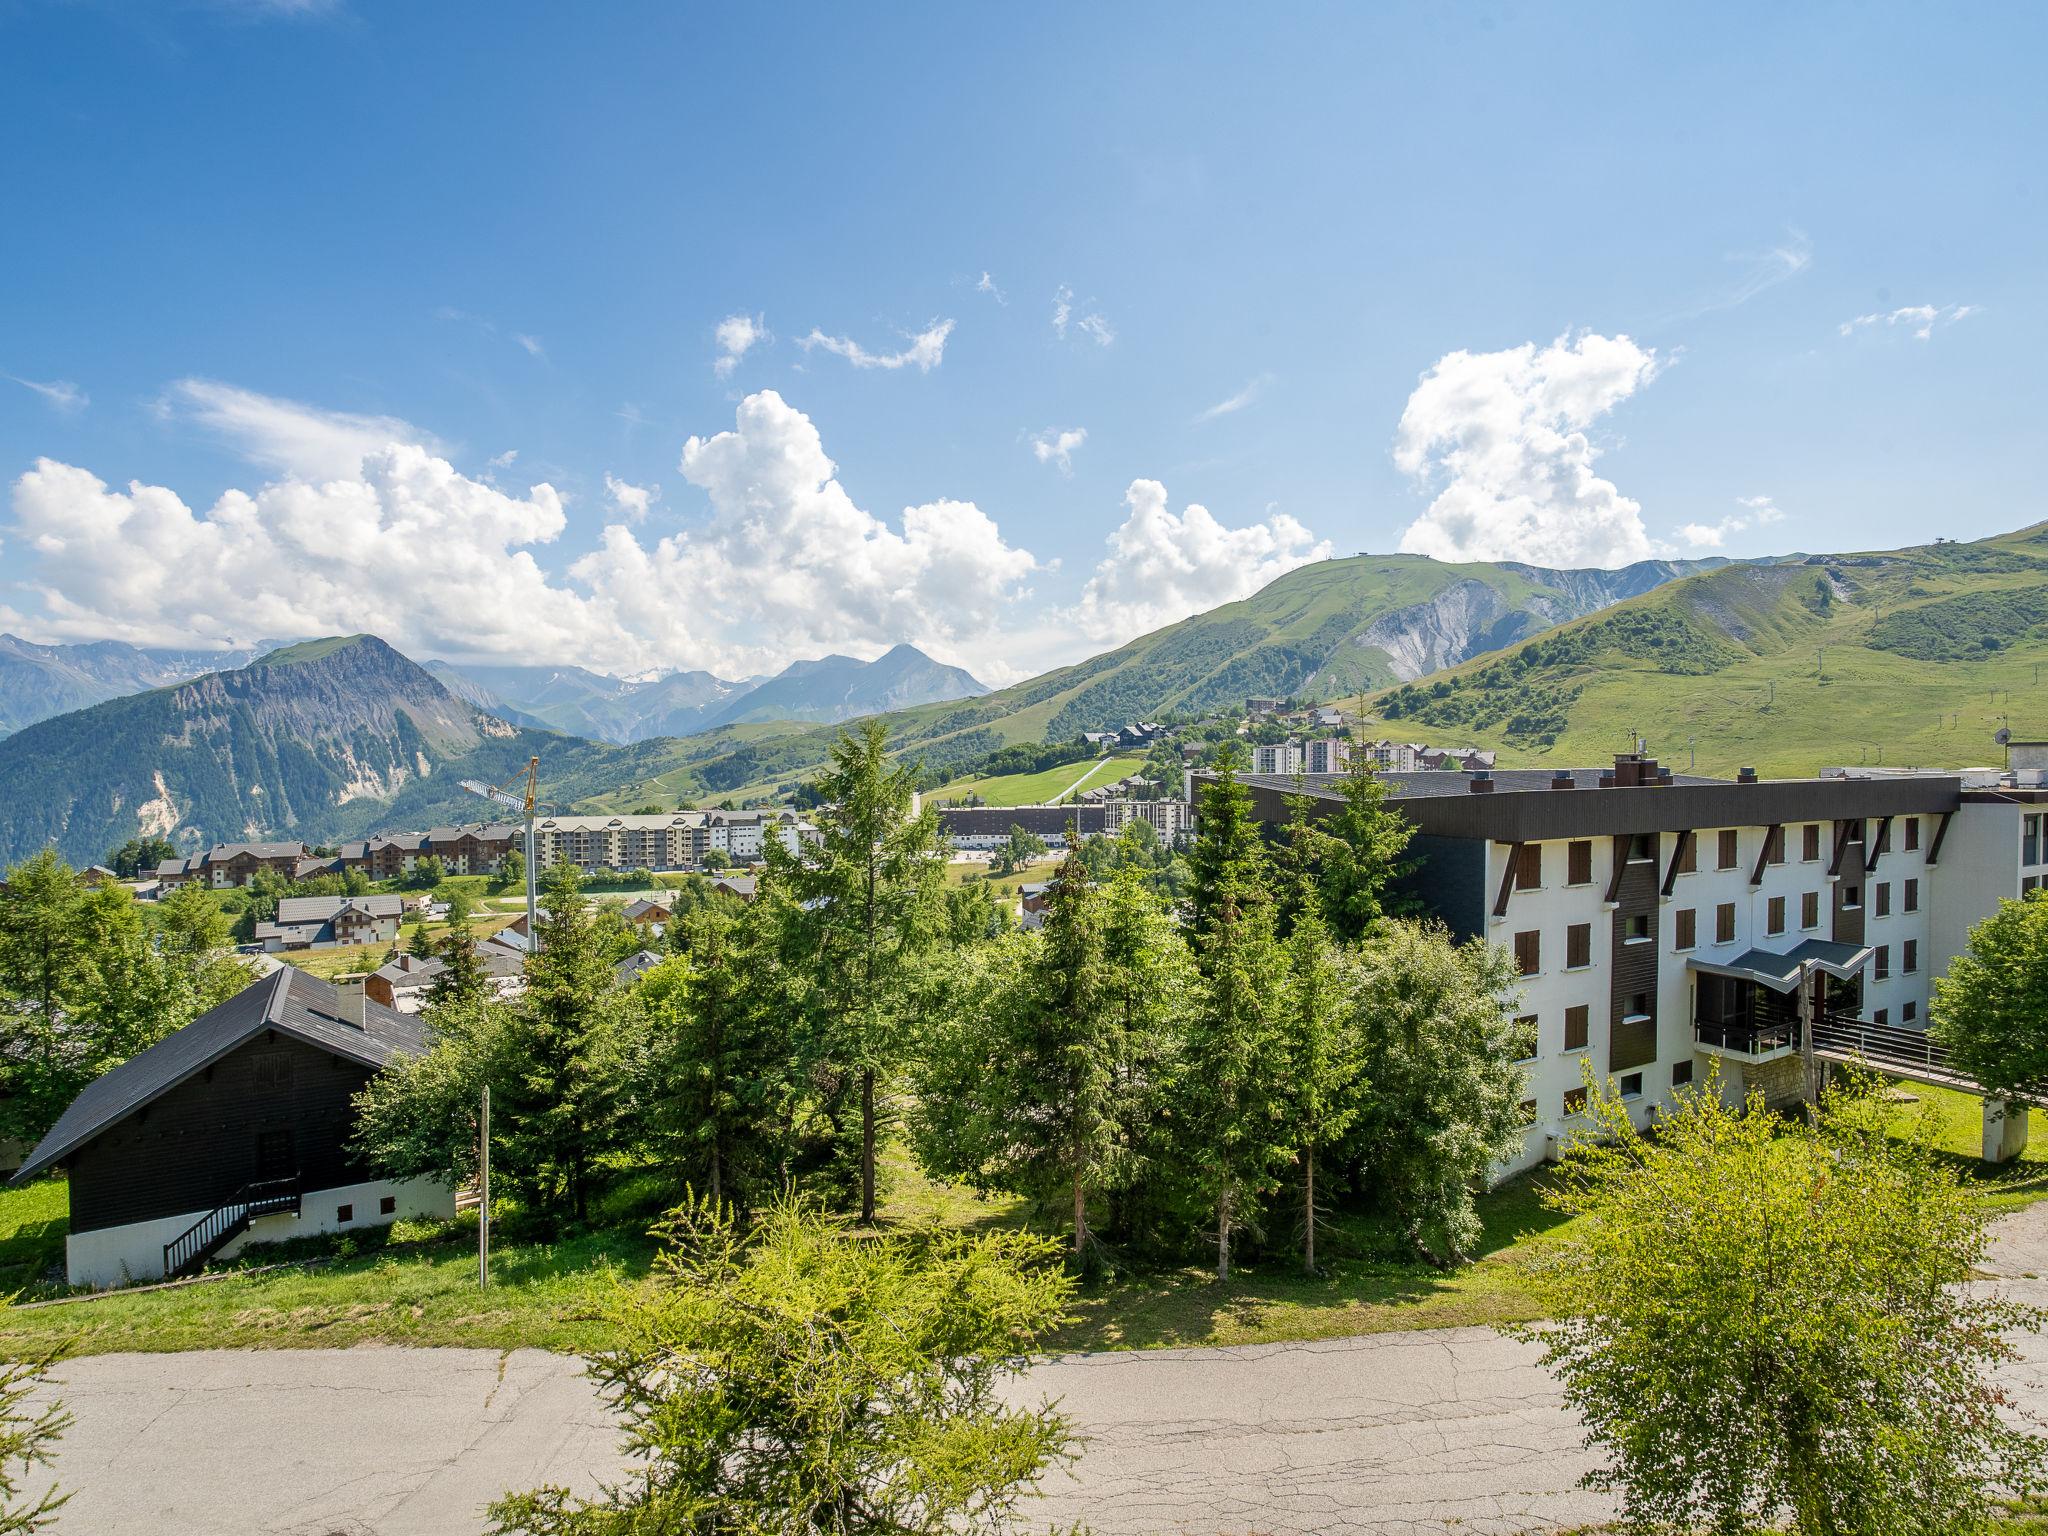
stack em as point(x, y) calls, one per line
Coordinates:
point(417, 1284)
point(1035, 872)
point(1042, 788)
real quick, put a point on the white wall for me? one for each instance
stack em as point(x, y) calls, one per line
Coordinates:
point(134, 1253)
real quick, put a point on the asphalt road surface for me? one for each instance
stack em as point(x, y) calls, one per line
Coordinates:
point(1411, 1433)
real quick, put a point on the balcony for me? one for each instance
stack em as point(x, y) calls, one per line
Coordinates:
point(1736, 1017)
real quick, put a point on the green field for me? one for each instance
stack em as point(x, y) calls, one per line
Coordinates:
point(417, 1284)
point(1042, 788)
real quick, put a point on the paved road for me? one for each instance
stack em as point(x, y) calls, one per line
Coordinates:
point(1403, 1434)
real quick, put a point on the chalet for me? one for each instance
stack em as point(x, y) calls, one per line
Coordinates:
point(95, 875)
point(325, 922)
point(743, 886)
point(234, 864)
point(634, 966)
point(467, 850)
point(233, 1131)
point(643, 913)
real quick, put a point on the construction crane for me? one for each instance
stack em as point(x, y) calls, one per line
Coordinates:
point(517, 793)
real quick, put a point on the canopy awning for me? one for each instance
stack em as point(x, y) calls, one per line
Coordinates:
point(1783, 972)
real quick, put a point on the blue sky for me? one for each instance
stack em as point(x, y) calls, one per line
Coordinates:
point(1576, 285)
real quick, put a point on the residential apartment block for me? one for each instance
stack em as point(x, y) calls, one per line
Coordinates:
point(1666, 925)
point(676, 840)
point(988, 826)
point(235, 864)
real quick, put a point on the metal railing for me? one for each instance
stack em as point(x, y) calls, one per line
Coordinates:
point(213, 1231)
point(1879, 1044)
point(1746, 1035)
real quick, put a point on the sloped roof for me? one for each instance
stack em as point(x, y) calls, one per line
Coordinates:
point(641, 907)
point(322, 909)
point(287, 1000)
point(636, 965)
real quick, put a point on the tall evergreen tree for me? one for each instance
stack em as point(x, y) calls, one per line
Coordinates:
point(1323, 1081)
point(1149, 988)
point(1360, 853)
point(1230, 853)
point(718, 1060)
point(865, 902)
point(44, 950)
point(461, 977)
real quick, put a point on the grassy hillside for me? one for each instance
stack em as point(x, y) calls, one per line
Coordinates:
point(1331, 629)
point(1042, 788)
point(1910, 657)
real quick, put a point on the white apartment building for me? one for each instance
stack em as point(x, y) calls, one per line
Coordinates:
point(1666, 926)
point(1323, 754)
point(679, 840)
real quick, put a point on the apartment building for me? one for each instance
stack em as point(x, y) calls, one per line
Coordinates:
point(1322, 754)
point(1665, 925)
point(988, 826)
point(234, 864)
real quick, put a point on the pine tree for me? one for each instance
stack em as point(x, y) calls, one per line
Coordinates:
point(1149, 988)
point(1229, 852)
point(1323, 1082)
point(1360, 854)
point(865, 907)
point(461, 977)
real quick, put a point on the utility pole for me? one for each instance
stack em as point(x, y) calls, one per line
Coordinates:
point(483, 1210)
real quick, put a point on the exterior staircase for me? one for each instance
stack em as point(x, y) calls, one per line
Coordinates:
point(187, 1253)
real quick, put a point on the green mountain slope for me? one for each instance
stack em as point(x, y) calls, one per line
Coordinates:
point(39, 681)
point(1910, 657)
point(1332, 628)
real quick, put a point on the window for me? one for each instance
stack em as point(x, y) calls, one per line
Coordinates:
point(1689, 859)
point(1575, 1020)
point(1578, 863)
point(1882, 893)
point(1638, 1005)
point(1724, 923)
point(1882, 1016)
point(1578, 946)
point(2030, 840)
point(387, 1205)
point(1681, 1074)
point(1525, 1038)
point(1526, 1111)
point(1809, 843)
point(1529, 867)
point(1909, 956)
point(1852, 897)
point(344, 1213)
point(1809, 909)
point(1632, 1085)
point(1774, 846)
point(1642, 848)
point(1574, 1101)
point(1774, 915)
point(1686, 928)
point(1529, 952)
point(1729, 854)
point(1883, 962)
point(1909, 1012)
point(1639, 928)
point(2031, 883)
point(1909, 898)
point(1912, 833)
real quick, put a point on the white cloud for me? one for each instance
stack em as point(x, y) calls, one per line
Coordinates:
point(303, 441)
point(400, 544)
point(926, 350)
point(988, 286)
point(737, 335)
point(631, 500)
point(1921, 318)
point(1162, 567)
point(1503, 434)
point(530, 343)
point(1760, 270)
point(503, 460)
point(1091, 325)
point(1759, 510)
point(1238, 401)
point(1056, 445)
point(61, 393)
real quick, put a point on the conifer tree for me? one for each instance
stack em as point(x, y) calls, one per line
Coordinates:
point(1149, 987)
point(1323, 1081)
point(1229, 853)
point(864, 905)
point(461, 978)
point(1360, 853)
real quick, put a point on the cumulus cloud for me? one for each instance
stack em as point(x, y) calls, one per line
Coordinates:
point(503, 460)
point(390, 538)
point(925, 352)
point(1091, 325)
point(1502, 436)
point(737, 335)
point(631, 500)
point(1056, 445)
point(1164, 566)
point(1921, 319)
point(1238, 401)
point(1757, 511)
point(64, 395)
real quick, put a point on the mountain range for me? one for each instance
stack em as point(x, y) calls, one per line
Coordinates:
point(38, 681)
point(1903, 656)
point(622, 710)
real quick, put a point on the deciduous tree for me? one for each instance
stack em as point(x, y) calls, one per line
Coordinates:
point(1991, 1009)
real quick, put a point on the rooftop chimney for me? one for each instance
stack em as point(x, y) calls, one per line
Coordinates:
point(1746, 776)
point(351, 1000)
point(1563, 780)
point(1482, 782)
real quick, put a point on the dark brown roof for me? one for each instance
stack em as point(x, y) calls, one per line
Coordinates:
point(288, 1001)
